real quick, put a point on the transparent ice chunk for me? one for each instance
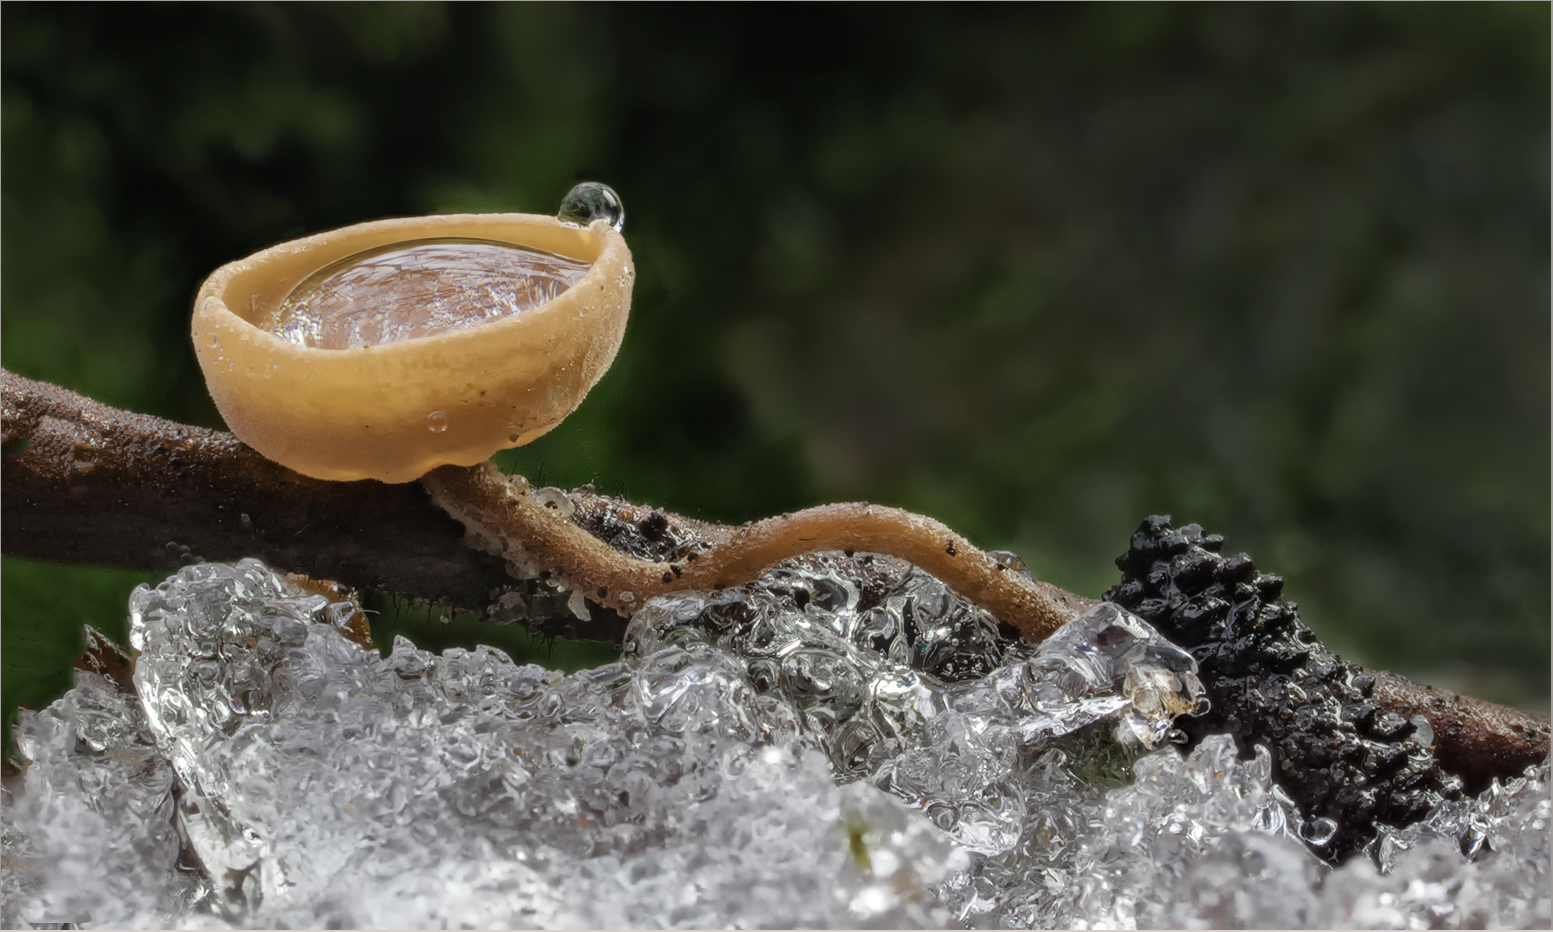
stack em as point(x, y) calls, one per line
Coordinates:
point(845, 742)
point(420, 288)
point(93, 839)
point(315, 783)
point(913, 690)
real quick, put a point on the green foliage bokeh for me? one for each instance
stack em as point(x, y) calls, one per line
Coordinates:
point(1038, 271)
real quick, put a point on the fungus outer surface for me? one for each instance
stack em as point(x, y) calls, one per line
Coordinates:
point(393, 411)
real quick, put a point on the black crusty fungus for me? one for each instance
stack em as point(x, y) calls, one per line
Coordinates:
point(1337, 752)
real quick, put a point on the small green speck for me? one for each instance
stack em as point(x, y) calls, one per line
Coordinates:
point(857, 842)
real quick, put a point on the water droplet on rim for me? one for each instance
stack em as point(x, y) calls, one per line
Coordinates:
point(592, 201)
point(436, 422)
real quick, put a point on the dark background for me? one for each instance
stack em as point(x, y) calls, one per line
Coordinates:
point(1038, 271)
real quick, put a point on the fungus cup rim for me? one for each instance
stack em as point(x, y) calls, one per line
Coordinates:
point(362, 412)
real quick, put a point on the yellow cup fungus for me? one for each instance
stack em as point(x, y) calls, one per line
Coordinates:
point(413, 349)
point(386, 349)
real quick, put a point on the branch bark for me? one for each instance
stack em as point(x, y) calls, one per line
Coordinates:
point(88, 483)
point(84, 482)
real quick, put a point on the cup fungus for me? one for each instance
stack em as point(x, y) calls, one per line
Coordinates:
point(386, 349)
point(414, 349)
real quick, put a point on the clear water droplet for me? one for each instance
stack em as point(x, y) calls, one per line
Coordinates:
point(436, 422)
point(420, 288)
point(555, 500)
point(1318, 831)
point(592, 201)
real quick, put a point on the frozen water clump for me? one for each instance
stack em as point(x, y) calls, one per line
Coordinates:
point(1207, 840)
point(905, 684)
point(1106, 661)
point(1474, 863)
point(1200, 839)
point(1027, 756)
point(275, 773)
point(92, 839)
point(985, 766)
point(318, 784)
point(868, 602)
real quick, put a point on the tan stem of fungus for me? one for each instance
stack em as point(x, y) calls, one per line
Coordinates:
point(500, 511)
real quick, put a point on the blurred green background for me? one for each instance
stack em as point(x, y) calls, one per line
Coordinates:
point(1038, 271)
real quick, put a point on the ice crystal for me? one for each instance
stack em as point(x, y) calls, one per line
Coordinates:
point(845, 742)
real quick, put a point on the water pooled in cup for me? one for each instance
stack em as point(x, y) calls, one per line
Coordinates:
point(421, 288)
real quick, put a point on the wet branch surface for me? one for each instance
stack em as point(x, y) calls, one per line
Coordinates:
point(83, 482)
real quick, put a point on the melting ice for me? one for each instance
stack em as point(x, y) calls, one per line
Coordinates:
point(844, 743)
